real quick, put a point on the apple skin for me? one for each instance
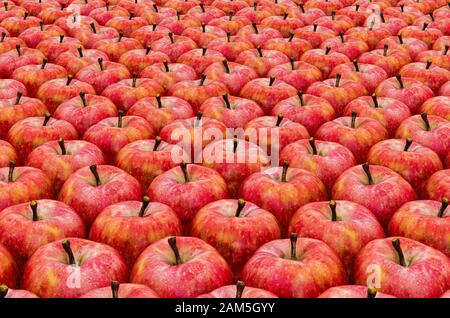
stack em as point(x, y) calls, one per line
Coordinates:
point(100, 264)
point(308, 16)
point(388, 192)
point(283, 24)
point(336, 22)
point(292, 46)
point(203, 34)
point(140, 160)
point(174, 73)
point(181, 44)
point(255, 15)
point(87, 36)
point(200, 59)
point(418, 219)
point(261, 61)
point(428, 35)
point(298, 74)
point(354, 228)
point(177, 26)
point(9, 88)
point(7, 153)
point(29, 133)
point(49, 158)
point(267, 95)
point(358, 140)
point(17, 293)
point(438, 106)
point(350, 291)
point(437, 138)
point(428, 266)
point(11, 60)
point(110, 226)
point(230, 46)
point(205, 185)
point(271, 268)
point(229, 291)
point(258, 38)
point(234, 165)
point(324, 60)
point(117, 46)
point(411, 45)
point(415, 165)
point(110, 137)
point(9, 43)
point(137, 60)
point(54, 46)
point(73, 61)
point(326, 6)
point(230, 6)
point(437, 186)
point(16, 25)
point(35, 35)
point(267, 190)
point(125, 291)
point(126, 25)
point(148, 34)
point(22, 236)
point(433, 76)
point(88, 200)
point(331, 161)
point(314, 34)
point(388, 111)
point(233, 236)
point(9, 271)
point(391, 61)
point(203, 271)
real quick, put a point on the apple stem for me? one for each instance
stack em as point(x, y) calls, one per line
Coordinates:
point(279, 120)
point(293, 238)
point(398, 249)
point(173, 245)
point(338, 79)
point(25, 15)
point(202, 79)
point(120, 36)
point(375, 100)
point(371, 292)
point(183, 167)
point(69, 252)
point(41, 25)
point(291, 36)
point(353, 122)
point(47, 117)
point(19, 53)
point(332, 205)
point(157, 143)
point(115, 288)
point(93, 28)
point(355, 63)
point(341, 35)
point(357, 7)
point(61, 38)
point(166, 66)
point(400, 81)
point(12, 165)
point(100, 63)
point(134, 79)
point(302, 7)
point(431, 15)
point(230, 15)
point(145, 203)
point(255, 6)
point(226, 100)
point(80, 51)
point(33, 206)
point(202, 7)
point(62, 146)
point(155, 7)
point(402, 8)
point(383, 20)
point(69, 80)
point(225, 64)
point(239, 288)
point(172, 40)
point(446, 49)
point(198, 116)
point(429, 62)
point(204, 49)
point(44, 62)
point(83, 98)
point(158, 100)
point(400, 38)
point(444, 205)
point(255, 28)
point(300, 97)
point(285, 16)
point(366, 169)
point(94, 171)
point(235, 143)
point(271, 80)
point(284, 171)
point(240, 207)
point(5, 5)
point(203, 28)
point(425, 25)
point(3, 291)
point(18, 97)
point(131, 16)
point(154, 25)
point(385, 49)
point(314, 27)
point(327, 50)
point(119, 118)
point(333, 15)
point(312, 143)
point(178, 15)
point(260, 52)
point(425, 120)
point(407, 143)
point(228, 37)
point(2, 39)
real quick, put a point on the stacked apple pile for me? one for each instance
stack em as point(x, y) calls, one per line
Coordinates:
point(94, 95)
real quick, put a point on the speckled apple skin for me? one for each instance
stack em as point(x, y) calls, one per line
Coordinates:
point(434, 77)
point(9, 271)
point(352, 48)
point(316, 269)
point(9, 61)
point(283, 25)
point(446, 294)
point(19, 293)
point(182, 44)
point(392, 62)
point(201, 38)
point(445, 89)
point(415, 165)
point(229, 291)
point(358, 140)
point(186, 198)
point(72, 61)
point(114, 49)
point(231, 49)
point(177, 73)
point(202, 270)
point(301, 76)
point(262, 64)
point(412, 46)
point(324, 62)
point(428, 36)
point(437, 139)
point(427, 276)
point(125, 291)
point(22, 236)
point(438, 106)
point(53, 47)
point(199, 61)
point(9, 88)
point(350, 291)
point(437, 186)
point(267, 96)
point(339, 23)
point(235, 238)
point(314, 37)
point(120, 226)
point(436, 57)
point(264, 34)
point(234, 24)
point(292, 48)
point(7, 153)
point(137, 60)
point(369, 75)
point(48, 275)
point(383, 198)
point(88, 200)
point(354, 228)
point(58, 167)
point(282, 199)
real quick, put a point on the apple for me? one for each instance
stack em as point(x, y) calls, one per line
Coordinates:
point(22, 184)
point(35, 35)
point(324, 59)
point(423, 32)
point(353, 291)
point(238, 291)
point(406, 13)
point(146, 35)
point(54, 46)
point(336, 22)
point(411, 45)
point(89, 35)
point(355, 12)
point(298, 74)
point(439, 58)
point(27, 226)
point(118, 290)
point(16, 25)
point(391, 60)
point(117, 46)
point(59, 159)
point(174, 45)
point(177, 25)
point(438, 106)
point(154, 13)
point(50, 14)
point(181, 6)
point(378, 188)
point(302, 268)
point(91, 189)
point(230, 46)
point(137, 60)
point(84, 6)
point(369, 34)
point(436, 187)
point(133, 5)
point(230, 6)
point(168, 74)
point(204, 14)
point(50, 272)
point(10, 9)
point(345, 44)
point(127, 25)
point(411, 160)
point(417, 219)
point(325, 159)
point(200, 59)
point(440, 43)
point(445, 89)
point(327, 6)
point(75, 60)
point(261, 60)
point(230, 23)
point(6, 292)
point(314, 34)
point(180, 267)
point(9, 271)
point(21, 56)
point(431, 75)
point(284, 24)
point(388, 111)
point(258, 34)
point(255, 13)
point(9, 88)
point(72, 23)
point(7, 154)
point(292, 47)
point(400, 272)
point(308, 16)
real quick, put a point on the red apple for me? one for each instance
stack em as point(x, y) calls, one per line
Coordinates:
point(127, 25)
point(35, 35)
point(204, 14)
point(261, 60)
point(177, 25)
point(168, 74)
point(174, 45)
point(9, 271)
point(439, 58)
point(154, 13)
point(326, 6)
point(146, 35)
point(230, 6)
point(445, 89)
point(285, 24)
point(353, 291)
point(258, 34)
point(438, 106)
point(137, 60)
point(411, 45)
point(200, 59)
point(230, 23)
point(336, 22)
point(117, 46)
point(75, 60)
point(230, 46)
point(324, 59)
point(7, 154)
point(16, 25)
point(238, 291)
point(298, 74)
point(255, 13)
point(423, 32)
point(54, 46)
point(21, 56)
point(292, 47)
point(314, 34)
point(88, 35)
point(6, 292)
point(9, 88)
point(437, 186)
point(118, 290)
point(391, 60)
point(431, 75)
point(308, 16)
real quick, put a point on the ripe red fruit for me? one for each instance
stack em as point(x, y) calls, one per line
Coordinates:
point(9, 271)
